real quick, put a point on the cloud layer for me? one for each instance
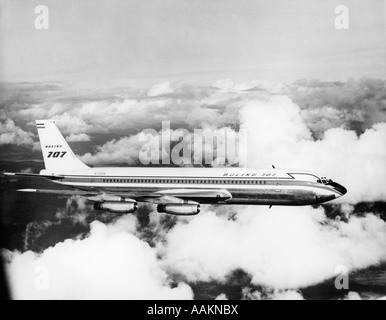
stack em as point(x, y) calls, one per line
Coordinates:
point(110, 263)
point(281, 249)
point(284, 248)
point(12, 134)
point(277, 134)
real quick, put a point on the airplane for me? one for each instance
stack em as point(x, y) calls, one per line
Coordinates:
point(176, 191)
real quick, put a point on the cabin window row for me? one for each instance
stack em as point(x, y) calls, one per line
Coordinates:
point(185, 181)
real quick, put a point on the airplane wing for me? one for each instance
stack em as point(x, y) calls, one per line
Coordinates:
point(63, 192)
point(158, 197)
point(33, 175)
point(184, 195)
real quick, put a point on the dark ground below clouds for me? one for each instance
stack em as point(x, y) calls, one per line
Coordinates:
point(30, 223)
point(369, 283)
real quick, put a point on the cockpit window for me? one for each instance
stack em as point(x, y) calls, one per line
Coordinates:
point(324, 180)
point(305, 177)
point(311, 177)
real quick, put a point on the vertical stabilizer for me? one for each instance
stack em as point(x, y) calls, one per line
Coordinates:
point(57, 154)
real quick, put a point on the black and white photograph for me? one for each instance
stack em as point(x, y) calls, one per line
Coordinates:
point(195, 150)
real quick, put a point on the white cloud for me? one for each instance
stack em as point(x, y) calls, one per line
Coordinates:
point(353, 296)
point(357, 104)
point(356, 296)
point(160, 89)
point(278, 135)
point(150, 146)
point(78, 137)
point(110, 263)
point(125, 150)
point(224, 85)
point(282, 248)
point(222, 297)
point(286, 295)
point(71, 124)
point(12, 134)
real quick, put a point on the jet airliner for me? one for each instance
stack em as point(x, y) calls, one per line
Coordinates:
point(177, 191)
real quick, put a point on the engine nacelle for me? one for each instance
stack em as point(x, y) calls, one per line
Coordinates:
point(179, 209)
point(116, 207)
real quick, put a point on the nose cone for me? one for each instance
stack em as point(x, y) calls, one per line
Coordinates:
point(338, 187)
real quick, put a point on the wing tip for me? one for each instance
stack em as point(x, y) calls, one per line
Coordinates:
point(9, 173)
point(27, 190)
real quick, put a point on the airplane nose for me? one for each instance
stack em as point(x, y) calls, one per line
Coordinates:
point(338, 187)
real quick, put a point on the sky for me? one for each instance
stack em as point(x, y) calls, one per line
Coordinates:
point(138, 42)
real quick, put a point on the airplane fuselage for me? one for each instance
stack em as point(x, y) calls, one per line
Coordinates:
point(229, 185)
point(178, 191)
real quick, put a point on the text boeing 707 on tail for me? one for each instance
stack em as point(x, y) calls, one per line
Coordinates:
point(177, 191)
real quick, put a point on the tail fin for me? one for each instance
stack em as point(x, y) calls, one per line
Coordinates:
point(57, 154)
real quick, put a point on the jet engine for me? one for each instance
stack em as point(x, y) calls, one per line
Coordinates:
point(116, 207)
point(179, 209)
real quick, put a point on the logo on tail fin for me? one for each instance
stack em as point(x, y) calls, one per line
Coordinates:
point(57, 154)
